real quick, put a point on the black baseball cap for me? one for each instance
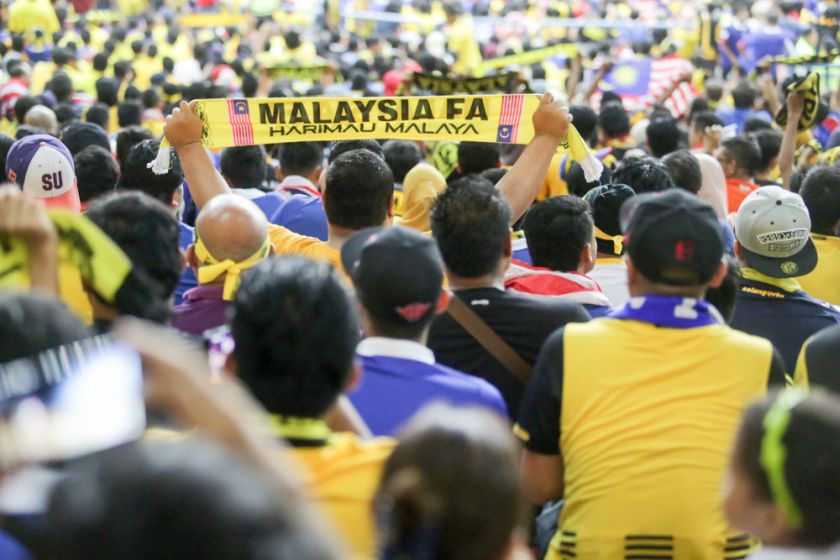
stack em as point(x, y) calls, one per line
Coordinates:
point(672, 237)
point(397, 271)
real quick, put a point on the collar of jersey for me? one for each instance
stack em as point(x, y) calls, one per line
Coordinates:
point(787, 284)
point(306, 431)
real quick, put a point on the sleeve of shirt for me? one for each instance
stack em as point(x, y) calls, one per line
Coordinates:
point(539, 414)
point(778, 375)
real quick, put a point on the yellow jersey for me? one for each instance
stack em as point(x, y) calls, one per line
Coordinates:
point(824, 281)
point(645, 419)
point(287, 242)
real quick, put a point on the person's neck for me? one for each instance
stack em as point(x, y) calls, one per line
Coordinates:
point(741, 177)
point(423, 338)
point(664, 291)
point(337, 235)
point(487, 281)
point(600, 256)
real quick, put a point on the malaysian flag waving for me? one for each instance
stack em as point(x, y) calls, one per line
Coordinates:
point(509, 120)
point(240, 122)
point(660, 74)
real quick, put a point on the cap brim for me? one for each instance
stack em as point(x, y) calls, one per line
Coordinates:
point(351, 250)
point(799, 264)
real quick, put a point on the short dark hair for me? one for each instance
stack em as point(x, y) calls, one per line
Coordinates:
point(250, 84)
point(301, 158)
point(359, 190)
point(471, 223)
point(810, 469)
point(296, 332)
point(128, 137)
point(79, 135)
point(33, 323)
point(401, 156)
point(96, 172)
point(147, 233)
point(197, 486)
point(557, 230)
point(62, 86)
point(6, 142)
point(25, 130)
point(244, 166)
point(754, 124)
point(65, 114)
point(107, 91)
point(821, 193)
point(129, 113)
point(743, 96)
point(98, 114)
point(344, 146)
point(704, 119)
point(743, 152)
point(613, 120)
point(663, 136)
point(22, 106)
point(577, 184)
point(136, 176)
point(150, 98)
point(475, 157)
point(100, 61)
point(769, 144)
point(643, 175)
point(685, 170)
point(585, 119)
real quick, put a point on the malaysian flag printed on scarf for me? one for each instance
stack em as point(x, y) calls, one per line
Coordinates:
point(240, 122)
point(509, 120)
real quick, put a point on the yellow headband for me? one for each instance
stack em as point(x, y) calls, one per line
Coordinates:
point(211, 268)
point(617, 240)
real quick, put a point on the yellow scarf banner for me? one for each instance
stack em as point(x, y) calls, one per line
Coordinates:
point(809, 87)
point(297, 72)
point(210, 19)
point(443, 85)
point(526, 58)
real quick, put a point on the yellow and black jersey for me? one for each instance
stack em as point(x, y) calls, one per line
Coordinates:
point(643, 417)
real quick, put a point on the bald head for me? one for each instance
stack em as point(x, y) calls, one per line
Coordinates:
point(42, 117)
point(231, 227)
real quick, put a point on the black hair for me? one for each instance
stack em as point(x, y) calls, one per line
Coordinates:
point(704, 119)
point(61, 86)
point(80, 135)
point(128, 137)
point(96, 172)
point(296, 331)
point(61, 56)
point(148, 233)
point(137, 47)
point(744, 153)
point(557, 230)
point(643, 175)
point(98, 114)
point(292, 39)
point(150, 498)
point(25, 130)
point(129, 113)
point(743, 96)
point(150, 98)
point(685, 170)
point(471, 223)
point(663, 136)
point(799, 175)
point(136, 176)
point(343, 146)
point(301, 158)
point(451, 488)
point(821, 193)
point(65, 114)
point(100, 61)
point(244, 166)
point(401, 156)
point(6, 142)
point(725, 296)
point(22, 106)
point(754, 124)
point(613, 120)
point(249, 84)
point(107, 91)
point(769, 144)
point(33, 323)
point(811, 469)
point(475, 157)
point(585, 119)
point(494, 175)
point(577, 184)
point(359, 190)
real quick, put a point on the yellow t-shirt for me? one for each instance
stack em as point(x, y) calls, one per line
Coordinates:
point(463, 45)
point(73, 293)
point(287, 242)
point(26, 14)
point(824, 281)
point(553, 185)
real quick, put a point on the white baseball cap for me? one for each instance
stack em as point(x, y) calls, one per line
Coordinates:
point(43, 167)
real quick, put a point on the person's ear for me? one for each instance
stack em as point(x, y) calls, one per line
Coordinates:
point(717, 279)
point(736, 248)
point(443, 302)
point(315, 176)
point(191, 259)
point(177, 198)
point(390, 212)
point(631, 270)
point(508, 249)
point(230, 367)
point(229, 184)
point(322, 180)
point(587, 257)
point(271, 250)
point(354, 378)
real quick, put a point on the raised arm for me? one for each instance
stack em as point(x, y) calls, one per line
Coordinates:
point(183, 130)
point(787, 152)
point(522, 183)
point(26, 218)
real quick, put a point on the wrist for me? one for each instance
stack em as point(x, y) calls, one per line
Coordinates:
point(186, 145)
